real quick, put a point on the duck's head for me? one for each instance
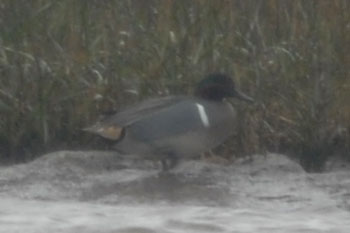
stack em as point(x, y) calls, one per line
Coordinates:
point(217, 87)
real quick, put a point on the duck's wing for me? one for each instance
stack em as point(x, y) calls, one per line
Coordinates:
point(113, 127)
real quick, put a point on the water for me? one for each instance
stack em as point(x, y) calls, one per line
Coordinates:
point(105, 192)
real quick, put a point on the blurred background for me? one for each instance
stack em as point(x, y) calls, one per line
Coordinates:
point(64, 63)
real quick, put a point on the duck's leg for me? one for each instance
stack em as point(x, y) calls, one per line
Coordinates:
point(169, 162)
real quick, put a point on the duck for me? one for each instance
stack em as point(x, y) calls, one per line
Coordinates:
point(174, 127)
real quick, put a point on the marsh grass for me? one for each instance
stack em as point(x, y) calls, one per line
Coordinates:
point(63, 63)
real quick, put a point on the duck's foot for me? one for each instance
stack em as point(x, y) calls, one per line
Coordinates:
point(169, 162)
point(211, 157)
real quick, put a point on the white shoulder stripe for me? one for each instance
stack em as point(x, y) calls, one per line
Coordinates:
point(203, 115)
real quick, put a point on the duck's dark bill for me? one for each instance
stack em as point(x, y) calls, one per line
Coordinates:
point(242, 96)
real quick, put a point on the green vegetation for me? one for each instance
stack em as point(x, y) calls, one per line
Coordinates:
point(62, 63)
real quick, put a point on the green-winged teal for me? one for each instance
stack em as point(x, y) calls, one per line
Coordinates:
point(172, 127)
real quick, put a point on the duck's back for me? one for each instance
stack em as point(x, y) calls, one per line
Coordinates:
point(185, 128)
